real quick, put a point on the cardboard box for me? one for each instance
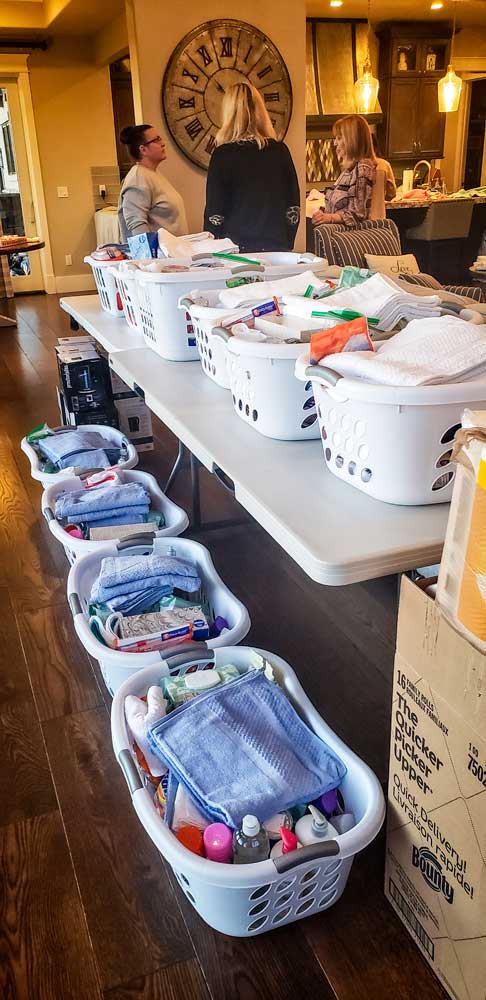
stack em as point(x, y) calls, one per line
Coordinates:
point(72, 418)
point(435, 875)
point(84, 378)
point(135, 420)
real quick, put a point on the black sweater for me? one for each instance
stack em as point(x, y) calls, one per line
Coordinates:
point(252, 195)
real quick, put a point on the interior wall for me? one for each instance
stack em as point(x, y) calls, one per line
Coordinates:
point(153, 35)
point(470, 45)
point(74, 122)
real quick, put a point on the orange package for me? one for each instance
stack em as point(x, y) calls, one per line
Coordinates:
point(350, 336)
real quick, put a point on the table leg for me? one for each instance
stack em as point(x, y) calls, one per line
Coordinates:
point(195, 494)
point(176, 467)
point(73, 323)
point(7, 321)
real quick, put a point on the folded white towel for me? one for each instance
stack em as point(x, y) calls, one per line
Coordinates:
point(426, 352)
point(263, 290)
point(194, 243)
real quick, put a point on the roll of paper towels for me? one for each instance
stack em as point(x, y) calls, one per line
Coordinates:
point(407, 181)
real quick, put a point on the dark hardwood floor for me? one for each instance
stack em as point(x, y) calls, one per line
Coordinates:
point(87, 908)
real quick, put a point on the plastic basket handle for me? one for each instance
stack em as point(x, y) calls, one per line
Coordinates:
point(145, 538)
point(248, 268)
point(75, 605)
point(186, 653)
point(49, 516)
point(314, 852)
point(326, 375)
point(185, 302)
point(219, 331)
point(130, 772)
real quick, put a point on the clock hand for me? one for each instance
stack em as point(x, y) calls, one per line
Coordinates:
point(220, 87)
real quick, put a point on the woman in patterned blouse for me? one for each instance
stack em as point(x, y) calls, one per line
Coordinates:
point(349, 201)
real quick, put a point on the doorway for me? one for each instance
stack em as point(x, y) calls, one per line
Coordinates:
point(17, 215)
point(123, 112)
point(475, 165)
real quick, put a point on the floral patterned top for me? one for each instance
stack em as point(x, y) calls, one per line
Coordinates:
point(351, 194)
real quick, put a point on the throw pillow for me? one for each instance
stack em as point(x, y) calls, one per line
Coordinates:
point(405, 263)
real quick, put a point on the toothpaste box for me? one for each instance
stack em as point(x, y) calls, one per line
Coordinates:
point(435, 875)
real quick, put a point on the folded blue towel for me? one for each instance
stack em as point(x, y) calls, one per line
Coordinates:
point(97, 458)
point(132, 604)
point(122, 575)
point(105, 497)
point(57, 447)
point(242, 749)
point(131, 515)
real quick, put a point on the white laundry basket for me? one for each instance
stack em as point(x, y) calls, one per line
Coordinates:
point(264, 390)
point(176, 519)
point(116, 666)
point(127, 285)
point(170, 332)
point(111, 434)
point(104, 274)
point(392, 443)
point(246, 900)
point(211, 348)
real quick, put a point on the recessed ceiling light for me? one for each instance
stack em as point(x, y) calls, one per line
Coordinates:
point(335, 3)
point(436, 6)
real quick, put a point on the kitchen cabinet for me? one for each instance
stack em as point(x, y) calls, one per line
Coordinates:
point(412, 60)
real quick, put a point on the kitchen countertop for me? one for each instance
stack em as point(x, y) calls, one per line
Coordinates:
point(421, 203)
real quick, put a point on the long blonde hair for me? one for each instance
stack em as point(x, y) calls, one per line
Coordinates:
point(356, 134)
point(245, 116)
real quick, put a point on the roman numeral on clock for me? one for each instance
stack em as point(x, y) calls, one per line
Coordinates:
point(210, 145)
point(193, 76)
point(272, 96)
point(189, 102)
point(248, 54)
point(203, 52)
point(226, 45)
point(194, 128)
point(264, 72)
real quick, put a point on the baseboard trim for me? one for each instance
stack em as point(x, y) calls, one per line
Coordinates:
point(74, 283)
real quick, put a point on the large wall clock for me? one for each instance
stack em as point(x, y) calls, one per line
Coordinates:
point(203, 65)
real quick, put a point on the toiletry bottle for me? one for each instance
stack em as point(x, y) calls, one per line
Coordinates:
point(192, 839)
point(287, 844)
point(314, 828)
point(328, 803)
point(218, 843)
point(274, 824)
point(250, 844)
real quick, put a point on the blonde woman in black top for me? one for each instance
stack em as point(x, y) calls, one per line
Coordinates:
point(252, 191)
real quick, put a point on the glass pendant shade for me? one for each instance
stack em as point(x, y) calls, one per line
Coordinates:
point(365, 91)
point(449, 88)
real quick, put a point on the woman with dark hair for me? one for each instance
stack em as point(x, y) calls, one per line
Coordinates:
point(148, 201)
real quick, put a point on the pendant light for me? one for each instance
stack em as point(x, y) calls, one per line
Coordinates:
point(450, 85)
point(365, 90)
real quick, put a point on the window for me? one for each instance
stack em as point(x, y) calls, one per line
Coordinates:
point(9, 153)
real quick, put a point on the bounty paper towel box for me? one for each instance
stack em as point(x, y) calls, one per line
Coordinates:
point(435, 875)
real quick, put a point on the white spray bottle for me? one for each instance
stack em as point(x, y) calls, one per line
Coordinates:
point(313, 828)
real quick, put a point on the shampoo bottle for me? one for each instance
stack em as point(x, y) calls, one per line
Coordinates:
point(287, 844)
point(313, 828)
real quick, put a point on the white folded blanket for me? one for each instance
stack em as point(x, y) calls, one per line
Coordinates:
point(262, 290)
point(427, 352)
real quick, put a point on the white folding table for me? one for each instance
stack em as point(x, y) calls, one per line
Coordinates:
point(336, 534)
point(112, 332)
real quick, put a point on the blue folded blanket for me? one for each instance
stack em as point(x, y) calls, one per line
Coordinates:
point(133, 604)
point(82, 449)
point(242, 749)
point(132, 574)
point(105, 497)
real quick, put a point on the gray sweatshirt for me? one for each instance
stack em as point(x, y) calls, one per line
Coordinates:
point(147, 202)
